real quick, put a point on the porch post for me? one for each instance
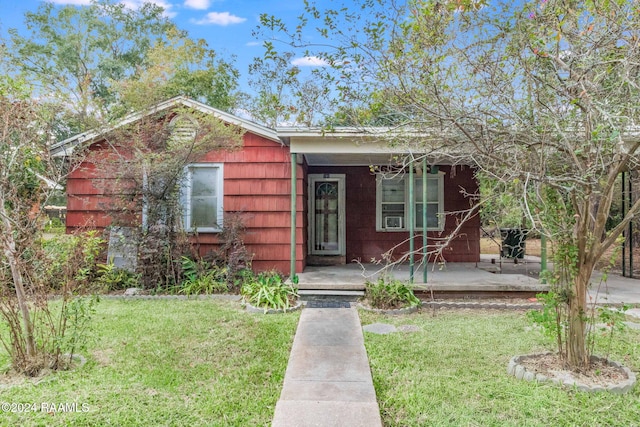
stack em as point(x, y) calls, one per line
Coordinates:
point(294, 211)
point(543, 257)
point(425, 258)
point(412, 208)
point(630, 201)
point(624, 213)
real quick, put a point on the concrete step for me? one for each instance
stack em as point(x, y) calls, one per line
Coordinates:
point(317, 285)
point(329, 295)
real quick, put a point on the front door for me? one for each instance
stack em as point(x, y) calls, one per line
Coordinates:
point(326, 214)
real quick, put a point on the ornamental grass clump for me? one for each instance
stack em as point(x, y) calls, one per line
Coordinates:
point(389, 294)
point(269, 291)
point(202, 277)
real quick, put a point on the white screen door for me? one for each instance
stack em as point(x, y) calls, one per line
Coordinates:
point(326, 211)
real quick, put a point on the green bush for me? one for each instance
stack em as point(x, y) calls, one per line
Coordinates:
point(390, 294)
point(54, 225)
point(269, 291)
point(112, 278)
point(200, 277)
point(65, 266)
point(70, 260)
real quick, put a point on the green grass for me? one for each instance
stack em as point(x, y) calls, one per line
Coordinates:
point(453, 373)
point(168, 363)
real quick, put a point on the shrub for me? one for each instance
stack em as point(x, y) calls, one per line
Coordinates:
point(112, 278)
point(65, 266)
point(69, 260)
point(159, 252)
point(200, 277)
point(232, 252)
point(390, 294)
point(269, 291)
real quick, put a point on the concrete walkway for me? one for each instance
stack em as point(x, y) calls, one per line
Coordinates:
point(328, 380)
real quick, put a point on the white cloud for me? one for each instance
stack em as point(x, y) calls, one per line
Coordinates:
point(309, 61)
point(243, 114)
point(219, 18)
point(131, 4)
point(253, 44)
point(197, 4)
point(136, 4)
point(72, 2)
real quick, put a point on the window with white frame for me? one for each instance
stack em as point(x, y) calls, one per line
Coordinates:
point(202, 197)
point(392, 202)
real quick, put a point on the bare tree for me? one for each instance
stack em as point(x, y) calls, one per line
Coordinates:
point(37, 334)
point(541, 95)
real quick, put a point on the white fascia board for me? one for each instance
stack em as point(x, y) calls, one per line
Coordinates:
point(341, 146)
point(371, 133)
point(248, 125)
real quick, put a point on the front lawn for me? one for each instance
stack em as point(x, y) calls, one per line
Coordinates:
point(165, 363)
point(453, 373)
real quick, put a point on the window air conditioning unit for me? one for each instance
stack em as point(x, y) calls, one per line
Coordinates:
point(393, 222)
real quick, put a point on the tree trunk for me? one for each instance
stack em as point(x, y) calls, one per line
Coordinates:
point(9, 249)
point(577, 354)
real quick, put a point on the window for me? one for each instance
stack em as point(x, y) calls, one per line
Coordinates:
point(202, 197)
point(392, 201)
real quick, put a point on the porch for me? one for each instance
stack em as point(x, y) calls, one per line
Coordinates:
point(488, 276)
point(356, 196)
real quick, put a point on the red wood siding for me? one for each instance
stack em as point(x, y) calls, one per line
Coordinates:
point(96, 197)
point(257, 186)
point(363, 242)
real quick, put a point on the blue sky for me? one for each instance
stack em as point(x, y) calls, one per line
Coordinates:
point(225, 24)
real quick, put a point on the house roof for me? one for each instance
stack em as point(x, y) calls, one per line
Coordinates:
point(66, 147)
point(351, 146)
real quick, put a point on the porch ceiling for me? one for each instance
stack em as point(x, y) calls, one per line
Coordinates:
point(329, 159)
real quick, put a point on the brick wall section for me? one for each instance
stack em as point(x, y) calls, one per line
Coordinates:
point(363, 242)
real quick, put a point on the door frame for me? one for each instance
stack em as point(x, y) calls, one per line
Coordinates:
point(327, 177)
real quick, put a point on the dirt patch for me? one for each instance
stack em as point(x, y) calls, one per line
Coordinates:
point(11, 378)
point(532, 246)
point(600, 373)
point(103, 357)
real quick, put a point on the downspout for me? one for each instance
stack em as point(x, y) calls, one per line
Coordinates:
point(294, 197)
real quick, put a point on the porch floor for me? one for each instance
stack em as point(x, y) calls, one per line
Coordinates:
point(484, 276)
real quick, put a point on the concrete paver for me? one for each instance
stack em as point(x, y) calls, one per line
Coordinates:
point(616, 290)
point(634, 312)
point(294, 413)
point(380, 328)
point(328, 380)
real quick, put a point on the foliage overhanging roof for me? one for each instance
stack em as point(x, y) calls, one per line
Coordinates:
point(66, 147)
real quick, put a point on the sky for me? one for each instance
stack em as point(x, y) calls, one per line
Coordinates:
point(225, 24)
